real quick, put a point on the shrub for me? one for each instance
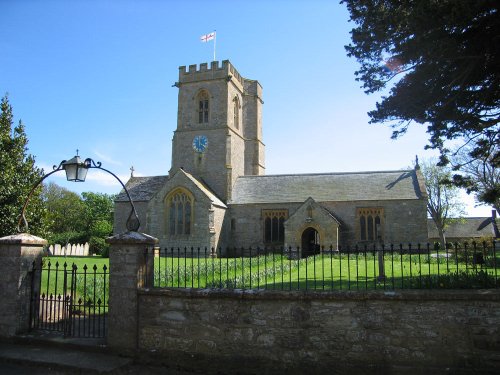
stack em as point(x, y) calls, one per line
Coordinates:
point(98, 245)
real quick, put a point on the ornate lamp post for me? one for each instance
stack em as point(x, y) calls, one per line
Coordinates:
point(76, 170)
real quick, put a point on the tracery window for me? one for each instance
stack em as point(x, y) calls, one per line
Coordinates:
point(180, 212)
point(274, 229)
point(203, 107)
point(236, 112)
point(370, 224)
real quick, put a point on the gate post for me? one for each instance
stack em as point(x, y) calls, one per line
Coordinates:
point(130, 267)
point(17, 254)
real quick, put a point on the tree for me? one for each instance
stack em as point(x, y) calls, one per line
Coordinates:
point(64, 208)
point(442, 62)
point(443, 203)
point(73, 219)
point(479, 175)
point(18, 175)
point(98, 215)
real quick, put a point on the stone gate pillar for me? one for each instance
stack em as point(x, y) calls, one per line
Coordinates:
point(129, 269)
point(17, 254)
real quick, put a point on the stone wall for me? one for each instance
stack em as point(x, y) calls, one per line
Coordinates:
point(403, 219)
point(372, 332)
point(18, 254)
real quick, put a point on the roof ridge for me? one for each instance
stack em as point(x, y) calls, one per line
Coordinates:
point(326, 173)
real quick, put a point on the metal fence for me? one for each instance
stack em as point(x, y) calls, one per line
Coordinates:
point(358, 268)
point(69, 299)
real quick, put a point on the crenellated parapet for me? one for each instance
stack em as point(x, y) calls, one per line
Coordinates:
point(209, 72)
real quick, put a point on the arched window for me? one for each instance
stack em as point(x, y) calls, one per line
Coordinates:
point(236, 112)
point(203, 107)
point(180, 207)
point(370, 224)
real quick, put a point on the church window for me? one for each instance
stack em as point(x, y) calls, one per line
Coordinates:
point(274, 229)
point(180, 211)
point(370, 224)
point(362, 227)
point(203, 102)
point(236, 112)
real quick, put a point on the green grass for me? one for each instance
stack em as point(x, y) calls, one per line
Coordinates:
point(276, 272)
point(90, 278)
point(321, 272)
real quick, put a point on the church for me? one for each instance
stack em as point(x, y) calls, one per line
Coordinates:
point(217, 195)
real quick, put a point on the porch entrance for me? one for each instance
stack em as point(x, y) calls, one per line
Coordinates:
point(310, 242)
point(69, 299)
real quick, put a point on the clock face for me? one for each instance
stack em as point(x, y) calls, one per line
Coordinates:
point(200, 143)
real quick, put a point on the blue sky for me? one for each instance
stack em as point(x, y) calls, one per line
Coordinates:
point(97, 76)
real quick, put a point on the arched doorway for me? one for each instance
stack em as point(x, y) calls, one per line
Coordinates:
point(310, 242)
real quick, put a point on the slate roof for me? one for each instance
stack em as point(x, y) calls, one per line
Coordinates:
point(142, 188)
point(358, 186)
point(211, 195)
point(469, 227)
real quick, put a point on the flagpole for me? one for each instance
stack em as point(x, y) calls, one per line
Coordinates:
point(215, 40)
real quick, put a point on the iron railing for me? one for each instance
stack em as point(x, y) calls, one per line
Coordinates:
point(69, 299)
point(359, 268)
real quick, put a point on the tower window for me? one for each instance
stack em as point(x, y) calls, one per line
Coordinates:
point(203, 107)
point(236, 112)
point(179, 213)
point(274, 229)
point(370, 224)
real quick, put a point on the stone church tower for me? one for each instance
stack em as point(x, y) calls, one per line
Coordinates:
point(219, 127)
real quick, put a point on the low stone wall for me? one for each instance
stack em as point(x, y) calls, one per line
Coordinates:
point(372, 332)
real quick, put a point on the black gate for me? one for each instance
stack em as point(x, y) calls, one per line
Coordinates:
point(69, 299)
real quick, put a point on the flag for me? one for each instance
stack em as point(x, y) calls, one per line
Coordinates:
point(208, 37)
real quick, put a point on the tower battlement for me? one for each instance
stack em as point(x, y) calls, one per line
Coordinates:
point(206, 72)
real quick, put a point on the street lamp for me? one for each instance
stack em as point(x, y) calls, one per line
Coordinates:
point(76, 170)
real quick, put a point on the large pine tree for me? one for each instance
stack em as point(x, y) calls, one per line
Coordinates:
point(18, 175)
point(441, 61)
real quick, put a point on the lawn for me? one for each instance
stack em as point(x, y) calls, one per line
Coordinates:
point(88, 275)
point(361, 271)
point(322, 272)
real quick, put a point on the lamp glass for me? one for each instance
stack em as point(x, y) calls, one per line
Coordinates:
point(75, 169)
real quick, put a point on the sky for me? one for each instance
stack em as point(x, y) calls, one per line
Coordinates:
point(97, 76)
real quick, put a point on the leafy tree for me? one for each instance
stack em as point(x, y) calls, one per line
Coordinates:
point(75, 219)
point(98, 214)
point(18, 175)
point(64, 209)
point(441, 60)
point(443, 203)
point(479, 175)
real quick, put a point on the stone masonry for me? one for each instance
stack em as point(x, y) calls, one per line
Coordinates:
point(17, 255)
point(371, 332)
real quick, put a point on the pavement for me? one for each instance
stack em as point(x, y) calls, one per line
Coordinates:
point(58, 356)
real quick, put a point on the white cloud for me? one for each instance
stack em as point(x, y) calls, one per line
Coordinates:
point(106, 159)
point(105, 179)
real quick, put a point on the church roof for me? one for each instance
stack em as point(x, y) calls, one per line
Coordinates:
point(215, 200)
point(141, 188)
point(356, 186)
